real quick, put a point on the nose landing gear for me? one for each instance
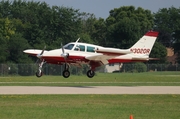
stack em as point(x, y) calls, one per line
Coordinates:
point(39, 72)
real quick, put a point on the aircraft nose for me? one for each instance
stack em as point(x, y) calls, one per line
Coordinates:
point(25, 51)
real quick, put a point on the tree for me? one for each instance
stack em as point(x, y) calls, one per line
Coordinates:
point(15, 47)
point(5, 8)
point(126, 24)
point(6, 28)
point(44, 24)
point(3, 49)
point(99, 34)
point(159, 51)
point(168, 24)
point(87, 25)
point(6, 31)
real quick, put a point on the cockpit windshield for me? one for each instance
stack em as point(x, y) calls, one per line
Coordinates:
point(69, 46)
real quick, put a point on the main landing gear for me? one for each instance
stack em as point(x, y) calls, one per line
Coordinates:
point(66, 72)
point(90, 73)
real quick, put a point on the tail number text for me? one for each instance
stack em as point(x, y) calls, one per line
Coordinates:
point(140, 50)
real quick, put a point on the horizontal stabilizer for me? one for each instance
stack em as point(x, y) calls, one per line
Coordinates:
point(144, 58)
point(140, 59)
point(154, 58)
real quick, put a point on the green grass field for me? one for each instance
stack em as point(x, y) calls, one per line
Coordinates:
point(92, 106)
point(101, 79)
point(89, 106)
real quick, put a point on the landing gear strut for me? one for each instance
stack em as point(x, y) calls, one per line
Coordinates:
point(90, 73)
point(66, 72)
point(39, 72)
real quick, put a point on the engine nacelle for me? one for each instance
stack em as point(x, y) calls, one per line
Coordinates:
point(65, 55)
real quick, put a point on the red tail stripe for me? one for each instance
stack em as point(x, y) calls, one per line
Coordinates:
point(152, 33)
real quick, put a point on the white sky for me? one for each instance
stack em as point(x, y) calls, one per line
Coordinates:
point(101, 8)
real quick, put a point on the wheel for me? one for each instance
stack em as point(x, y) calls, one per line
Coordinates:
point(90, 73)
point(38, 74)
point(66, 73)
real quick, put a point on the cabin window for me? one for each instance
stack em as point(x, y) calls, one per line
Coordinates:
point(80, 48)
point(111, 64)
point(90, 49)
point(69, 46)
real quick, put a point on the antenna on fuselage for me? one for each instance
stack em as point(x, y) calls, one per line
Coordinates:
point(77, 40)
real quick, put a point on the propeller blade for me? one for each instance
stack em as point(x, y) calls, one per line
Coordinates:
point(43, 50)
point(62, 48)
point(65, 55)
point(77, 40)
point(39, 55)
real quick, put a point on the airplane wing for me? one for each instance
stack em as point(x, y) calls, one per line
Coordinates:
point(113, 51)
point(99, 58)
point(104, 54)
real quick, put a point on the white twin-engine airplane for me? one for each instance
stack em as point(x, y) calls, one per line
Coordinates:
point(76, 53)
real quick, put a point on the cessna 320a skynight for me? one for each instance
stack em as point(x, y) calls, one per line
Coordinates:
point(76, 53)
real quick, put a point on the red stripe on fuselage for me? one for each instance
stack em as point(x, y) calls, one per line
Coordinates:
point(59, 59)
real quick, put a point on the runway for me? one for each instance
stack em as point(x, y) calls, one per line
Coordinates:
point(90, 90)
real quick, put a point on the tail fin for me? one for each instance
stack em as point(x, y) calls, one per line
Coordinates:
point(145, 44)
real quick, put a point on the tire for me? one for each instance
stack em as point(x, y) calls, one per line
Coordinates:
point(38, 74)
point(90, 73)
point(66, 73)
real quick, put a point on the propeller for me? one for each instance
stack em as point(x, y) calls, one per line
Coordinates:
point(65, 55)
point(39, 55)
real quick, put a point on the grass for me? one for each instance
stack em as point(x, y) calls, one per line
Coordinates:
point(92, 106)
point(89, 106)
point(101, 79)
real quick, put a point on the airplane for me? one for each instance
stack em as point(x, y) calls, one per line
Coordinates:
point(77, 53)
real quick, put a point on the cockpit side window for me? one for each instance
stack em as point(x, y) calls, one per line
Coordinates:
point(90, 49)
point(69, 46)
point(80, 48)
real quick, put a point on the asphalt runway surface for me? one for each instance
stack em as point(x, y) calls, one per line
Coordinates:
point(90, 90)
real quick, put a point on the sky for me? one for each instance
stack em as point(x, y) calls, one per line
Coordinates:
point(101, 8)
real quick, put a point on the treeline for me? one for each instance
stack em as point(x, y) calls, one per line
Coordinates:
point(29, 24)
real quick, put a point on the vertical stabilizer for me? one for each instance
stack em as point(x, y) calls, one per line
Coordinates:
point(145, 44)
